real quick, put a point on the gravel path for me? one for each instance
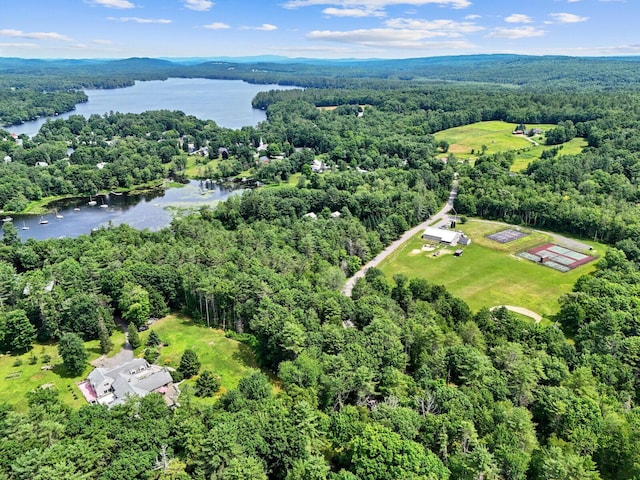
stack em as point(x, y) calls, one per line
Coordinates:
point(439, 217)
point(123, 356)
point(521, 310)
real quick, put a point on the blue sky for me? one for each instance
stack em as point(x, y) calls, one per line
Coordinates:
point(317, 28)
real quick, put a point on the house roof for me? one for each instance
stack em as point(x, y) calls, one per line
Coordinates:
point(137, 378)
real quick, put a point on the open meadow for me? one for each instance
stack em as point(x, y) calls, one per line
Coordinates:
point(467, 142)
point(489, 273)
point(24, 372)
point(223, 356)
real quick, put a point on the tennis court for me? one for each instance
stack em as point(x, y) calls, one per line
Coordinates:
point(556, 257)
point(506, 236)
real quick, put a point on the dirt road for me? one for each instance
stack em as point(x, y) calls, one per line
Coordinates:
point(522, 311)
point(438, 217)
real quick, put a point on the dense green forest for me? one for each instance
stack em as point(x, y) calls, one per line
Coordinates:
point(32, 88)
point(399, 380)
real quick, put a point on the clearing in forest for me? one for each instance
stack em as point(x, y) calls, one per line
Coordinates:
point(223, 356)
point(490, 273)
point(467, 142)
point(42, 366)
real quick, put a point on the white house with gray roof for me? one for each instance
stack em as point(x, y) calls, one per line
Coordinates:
point(111, 386)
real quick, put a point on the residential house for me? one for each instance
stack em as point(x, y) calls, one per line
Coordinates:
point(112, 386)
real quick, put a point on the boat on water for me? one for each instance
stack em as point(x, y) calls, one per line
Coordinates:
point(24, 226)
point(91, 202)
point(43, 221)
point(7, 219)
point(103, 205)
point(58, 215)
point(77, 209)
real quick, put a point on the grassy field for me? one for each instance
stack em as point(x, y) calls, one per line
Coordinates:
point(496, 136)
point(198, 170)
point(221, 355)
point(488, 273)
point(17, 380)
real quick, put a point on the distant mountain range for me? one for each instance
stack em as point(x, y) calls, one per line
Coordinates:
point(505, 69)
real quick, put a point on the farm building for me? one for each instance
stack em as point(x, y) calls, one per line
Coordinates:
point(449, 237)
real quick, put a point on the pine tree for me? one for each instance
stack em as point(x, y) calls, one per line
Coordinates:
point(207, 384)
point(153, 340)
point(105, 337)
point(189, 364)
point(134, 338)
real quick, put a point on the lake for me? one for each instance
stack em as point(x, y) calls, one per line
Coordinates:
point(150, 210)
point(227, 102)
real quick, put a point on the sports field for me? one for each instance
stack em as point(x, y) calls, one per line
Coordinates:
point(490, 273)
point(497, 137)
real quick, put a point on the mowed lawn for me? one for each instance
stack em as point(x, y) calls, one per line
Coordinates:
point(489, 273)
point(17, 380)
point(225, 357)
point(496, 136)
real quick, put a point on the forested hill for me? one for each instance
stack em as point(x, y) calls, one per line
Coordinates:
point(574, 72)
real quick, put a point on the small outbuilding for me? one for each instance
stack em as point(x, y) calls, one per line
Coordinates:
point(464, 240)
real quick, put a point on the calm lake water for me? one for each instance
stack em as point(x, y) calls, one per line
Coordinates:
point(152, 210)
point(227, 102)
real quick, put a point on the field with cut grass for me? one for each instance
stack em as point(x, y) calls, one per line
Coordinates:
point(221, 355)
point(17, 380)
point(496, 136)
point(489, 273)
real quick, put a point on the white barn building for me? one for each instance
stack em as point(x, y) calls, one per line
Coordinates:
point(440, 235)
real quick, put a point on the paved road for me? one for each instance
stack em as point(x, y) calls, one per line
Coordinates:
point(521, 310)
point(438, 217)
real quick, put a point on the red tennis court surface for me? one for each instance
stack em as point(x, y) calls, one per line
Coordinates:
point(556, 257)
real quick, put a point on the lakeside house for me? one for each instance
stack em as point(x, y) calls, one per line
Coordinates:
point(112, 386)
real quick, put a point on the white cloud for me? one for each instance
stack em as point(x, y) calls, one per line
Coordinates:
point(472, 17)
point(19, 45)
point(352, 12)
point(139, 20)
point(376, 4)
point(266, 27)
point(573, 1)
point(518, 32)
point(518, 18)
point(112, 3)
point(79, 46)
point(34, 35)
point(217, 26)
point(387, 37)
point(566, 18)
point(99, 41)
point(198, 5)
point(435, 28)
